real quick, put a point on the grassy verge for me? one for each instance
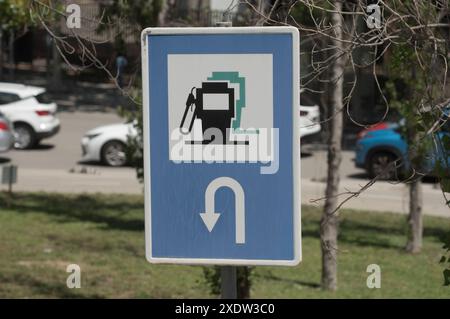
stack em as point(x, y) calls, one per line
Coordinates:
point(40, 234)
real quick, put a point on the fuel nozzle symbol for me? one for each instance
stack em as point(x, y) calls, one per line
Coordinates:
point(214, 105)
point(190, 107)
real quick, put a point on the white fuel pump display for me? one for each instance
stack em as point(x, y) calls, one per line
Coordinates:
point(216, 101)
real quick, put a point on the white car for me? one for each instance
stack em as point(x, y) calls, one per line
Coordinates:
point(309, 120)
point(6, 134)
point(107, 144)
point(32, 115)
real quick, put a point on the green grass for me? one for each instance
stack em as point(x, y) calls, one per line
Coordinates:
point(40, 234)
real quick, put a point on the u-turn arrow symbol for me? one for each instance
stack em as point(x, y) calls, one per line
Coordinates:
point(210, 217)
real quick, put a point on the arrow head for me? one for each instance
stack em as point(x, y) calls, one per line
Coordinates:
point(210, 220)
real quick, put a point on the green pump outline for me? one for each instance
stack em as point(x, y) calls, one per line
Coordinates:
point(233, 77)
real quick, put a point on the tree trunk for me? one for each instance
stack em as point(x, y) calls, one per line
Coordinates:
point(12, 63)
point(162, 16)
point(55, 79)
point(48, 57)
point(414, 244)
point(329, 222)
point(415, 223)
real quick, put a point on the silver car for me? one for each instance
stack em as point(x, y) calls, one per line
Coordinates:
point(6, 134)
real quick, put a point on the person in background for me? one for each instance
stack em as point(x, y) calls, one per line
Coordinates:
point(121, 63)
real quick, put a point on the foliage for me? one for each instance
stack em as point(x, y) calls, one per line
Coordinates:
point(134, 150)
point(244, 280)
point(407, 89)
point(307, 16)
point(49, 11)
point(212, 277)
point(13, 14)
point(135, 15)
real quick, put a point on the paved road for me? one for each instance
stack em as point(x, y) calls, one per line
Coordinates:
point(55, 167)
point(62, 151)
point(382, 196)
point(314, 164)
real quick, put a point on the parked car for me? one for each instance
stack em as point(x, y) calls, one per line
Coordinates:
point(30, 111)
point(378, 126)
point(107, 143)
point(6, 134)
point(378, 147)
point(309, 119)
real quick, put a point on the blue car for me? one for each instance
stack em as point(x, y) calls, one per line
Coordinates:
point(376, 149)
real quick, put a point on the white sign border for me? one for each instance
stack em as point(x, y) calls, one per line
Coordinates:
point(295, 144)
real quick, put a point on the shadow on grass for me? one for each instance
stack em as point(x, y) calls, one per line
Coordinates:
point(127, 213)
point(37, 287)
point(374, 232)
point(288, 281)
point(357, 237)
point(113, 212)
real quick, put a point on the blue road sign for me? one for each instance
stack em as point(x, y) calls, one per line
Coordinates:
point(222, 145)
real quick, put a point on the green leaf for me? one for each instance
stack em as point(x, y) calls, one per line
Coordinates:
point(443, 259)
point(427, 118)
point(446, 142)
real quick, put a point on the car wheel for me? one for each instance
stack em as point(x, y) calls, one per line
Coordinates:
point(24, 136)
point(380, 163)
point(114, 154)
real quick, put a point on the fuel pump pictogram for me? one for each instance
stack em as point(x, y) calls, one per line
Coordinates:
point(214, 105)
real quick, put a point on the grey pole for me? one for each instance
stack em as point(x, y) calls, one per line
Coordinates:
point(10, 180)
point(229, 282)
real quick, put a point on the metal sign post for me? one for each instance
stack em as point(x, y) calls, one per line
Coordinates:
point(9, 176)
point(228, 286)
